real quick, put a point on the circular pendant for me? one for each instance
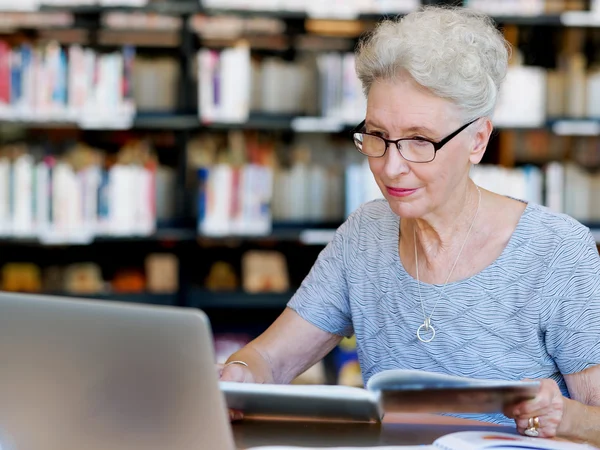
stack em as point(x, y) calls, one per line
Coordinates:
point(426, 329)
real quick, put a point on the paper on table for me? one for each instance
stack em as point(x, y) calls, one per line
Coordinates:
point(393, 447)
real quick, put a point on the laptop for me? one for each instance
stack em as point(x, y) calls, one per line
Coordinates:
point(95, 375)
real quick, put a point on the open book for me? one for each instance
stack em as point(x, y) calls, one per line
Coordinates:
point(388, 391)
point(471, 440)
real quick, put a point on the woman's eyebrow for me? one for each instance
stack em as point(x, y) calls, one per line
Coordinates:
point(421, 129)
point(413, 129)
point(373, 124)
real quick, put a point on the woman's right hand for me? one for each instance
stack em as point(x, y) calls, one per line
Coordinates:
point(236, 373)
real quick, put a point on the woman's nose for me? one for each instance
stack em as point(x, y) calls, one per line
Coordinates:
point(394, 163)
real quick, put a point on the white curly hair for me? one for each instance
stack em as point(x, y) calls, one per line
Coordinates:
point(456, 53)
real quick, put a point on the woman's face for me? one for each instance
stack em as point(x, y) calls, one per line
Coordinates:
point(401, 109)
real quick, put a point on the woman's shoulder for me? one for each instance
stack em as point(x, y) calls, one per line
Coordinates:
point(372, 220)
point(375, 210)
point(554, 225)
point(373, 213)
point(553, 221)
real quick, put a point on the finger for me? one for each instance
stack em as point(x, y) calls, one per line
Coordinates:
point(237, 373)
point(534, 408)
point(525, 422)
point(548, 410)
point(530, 407)
point(546, 424)
point(220, 368)
point(520, 409)
point(548, 390)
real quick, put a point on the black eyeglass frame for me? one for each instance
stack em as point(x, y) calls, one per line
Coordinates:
point(437, 146)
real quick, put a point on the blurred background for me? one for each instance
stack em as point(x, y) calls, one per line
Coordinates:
point(198, 154)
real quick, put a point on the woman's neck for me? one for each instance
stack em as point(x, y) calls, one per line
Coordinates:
point(442, 234)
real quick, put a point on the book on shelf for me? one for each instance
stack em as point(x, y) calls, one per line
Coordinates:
point(243, 184)
point(308, 192)
point(531, 95)
point(526, 7)
point(234, 200)
point(34, 5)
point(224, 85)
point(155, 81)
point(23, 6)
point(318, 8)
point(75, 199)
point(323, 85)
point(522, 98)
point(563, 187)
point(360, 186)
point(468, 440)
point(386, 392)
point(51, 83)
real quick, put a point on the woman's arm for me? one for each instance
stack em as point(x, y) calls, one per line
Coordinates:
point(316, 319)
point(552, 414)
point(581, 417)
point(570, 319)
point(286, 349)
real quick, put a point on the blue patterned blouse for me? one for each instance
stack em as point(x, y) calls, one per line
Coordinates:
point(533, 313)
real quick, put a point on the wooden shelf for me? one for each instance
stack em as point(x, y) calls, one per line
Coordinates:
point(144, 298)
point(204, 299)
point(169, 7)
point(305, 233)
point(298, 124)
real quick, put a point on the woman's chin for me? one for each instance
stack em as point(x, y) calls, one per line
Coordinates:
point(404, 209)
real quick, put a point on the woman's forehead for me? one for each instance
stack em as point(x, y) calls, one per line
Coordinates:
point(403, 105)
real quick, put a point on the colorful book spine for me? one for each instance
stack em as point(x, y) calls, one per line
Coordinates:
point(5, 75)
point(51, 82)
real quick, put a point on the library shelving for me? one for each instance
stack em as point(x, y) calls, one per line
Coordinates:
point(195, 298)
point(149, 299)
point(236, 300)
point(181, 122)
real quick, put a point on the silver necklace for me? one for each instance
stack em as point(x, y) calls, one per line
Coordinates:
point(426, 328)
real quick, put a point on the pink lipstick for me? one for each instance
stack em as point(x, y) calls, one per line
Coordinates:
point(399, 192)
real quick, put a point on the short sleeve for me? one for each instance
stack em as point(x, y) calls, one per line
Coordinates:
point(322, 298)
point(571, 301)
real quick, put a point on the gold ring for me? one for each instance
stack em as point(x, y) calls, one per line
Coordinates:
point(533, 427)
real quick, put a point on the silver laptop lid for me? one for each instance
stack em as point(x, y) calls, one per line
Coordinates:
point(81, 374)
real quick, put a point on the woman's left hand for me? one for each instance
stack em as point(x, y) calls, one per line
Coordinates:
point(547, 407)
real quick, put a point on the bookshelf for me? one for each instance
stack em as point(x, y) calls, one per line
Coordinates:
point(148, 299)
point(199, 298)
point(179, 124)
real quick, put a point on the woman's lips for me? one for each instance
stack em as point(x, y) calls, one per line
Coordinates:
point(400, 192)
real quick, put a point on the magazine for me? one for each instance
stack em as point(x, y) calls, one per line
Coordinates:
point(470, 440)
point(388, 391)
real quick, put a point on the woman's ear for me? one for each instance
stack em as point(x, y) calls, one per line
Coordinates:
point(481, 137)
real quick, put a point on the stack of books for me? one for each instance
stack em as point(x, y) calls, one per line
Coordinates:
point(333, 9)
point(562, 187)
point(76, 198)
point(34, 5)
point(51, 83)
point(232, 84)
point(525, 7)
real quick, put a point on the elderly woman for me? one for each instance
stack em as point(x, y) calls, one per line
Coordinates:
point(441, 275)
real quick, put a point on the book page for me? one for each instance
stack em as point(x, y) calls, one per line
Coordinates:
point(480, 440)
point(395, 447)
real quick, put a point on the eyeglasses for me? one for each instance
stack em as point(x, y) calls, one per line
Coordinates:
point(418, 150)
